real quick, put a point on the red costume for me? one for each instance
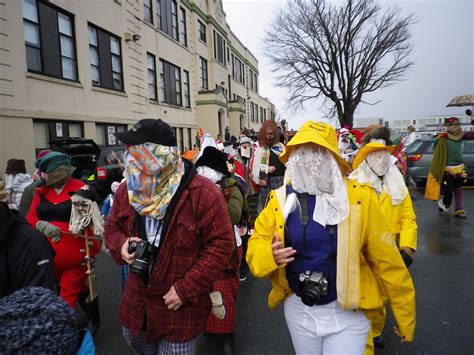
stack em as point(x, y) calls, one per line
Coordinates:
point(55, 208)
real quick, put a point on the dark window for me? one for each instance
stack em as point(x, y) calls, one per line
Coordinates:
point(159, 23)
point(49, 130)
point(152, 93)
point(49, 40)
point(202, 31)
point(167, 17)
point(238, 70)
point(190, 141)
point(252, 111)
point(170, 83)
point(183, 32)
point(105, 59)
point(181, 140)
point(104, 135)
point(187, 97)
point(261, 115)
point(228, 55)
point(203, 67)
point(219, 48)
point(147, 11)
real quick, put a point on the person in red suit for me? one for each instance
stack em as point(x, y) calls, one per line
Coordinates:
point(50, 213)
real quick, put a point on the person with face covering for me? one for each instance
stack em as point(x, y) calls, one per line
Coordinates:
point(447, 172)
point(267, 171)
point(16, 181)
point(323, 242)
point(29, 192)
point(221, 325)
point(167, 224)
point(375, 167)
point(50, 213)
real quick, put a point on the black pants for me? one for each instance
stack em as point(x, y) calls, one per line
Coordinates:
point(450, 183)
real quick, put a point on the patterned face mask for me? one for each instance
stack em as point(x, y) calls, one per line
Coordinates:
point(153, 173)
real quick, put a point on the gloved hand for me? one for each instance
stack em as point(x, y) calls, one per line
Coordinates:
point(49, 230)
point(218, 308)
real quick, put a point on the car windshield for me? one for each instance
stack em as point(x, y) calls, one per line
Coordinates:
point(414, 147)
point(112, 157)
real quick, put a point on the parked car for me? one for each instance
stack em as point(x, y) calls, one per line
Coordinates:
point(96, 166)
point(419, 155)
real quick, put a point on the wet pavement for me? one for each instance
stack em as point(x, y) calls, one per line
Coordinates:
point(443, 272)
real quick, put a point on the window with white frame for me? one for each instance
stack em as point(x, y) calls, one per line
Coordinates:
point(152, 87)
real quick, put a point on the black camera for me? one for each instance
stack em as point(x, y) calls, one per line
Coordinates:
point(144, 255)
point(315, 286)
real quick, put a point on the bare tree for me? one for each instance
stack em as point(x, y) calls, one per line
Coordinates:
point(337, 53)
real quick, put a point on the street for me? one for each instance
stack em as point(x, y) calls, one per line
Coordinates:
point(442, 273)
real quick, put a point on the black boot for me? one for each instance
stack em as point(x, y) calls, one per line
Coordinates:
point(91, 309)
point(228, 343)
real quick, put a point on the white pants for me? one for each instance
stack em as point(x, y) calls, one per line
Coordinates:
point(326, 329)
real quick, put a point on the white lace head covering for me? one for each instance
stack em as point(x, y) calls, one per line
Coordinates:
point(314, 170)
point(80, 219)
point(379, 171)
point(213, 175)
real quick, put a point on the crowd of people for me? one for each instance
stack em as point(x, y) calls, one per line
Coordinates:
point(327, 216)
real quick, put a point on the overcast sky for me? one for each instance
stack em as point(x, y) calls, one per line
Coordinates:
point(443, 54)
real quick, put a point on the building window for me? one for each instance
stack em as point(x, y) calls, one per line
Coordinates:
point(104, 135)
point(228, 55)
point(264, 114)
point(147, 11)
point(252, 112)
point(167, 17)
point(183, 31)
point(203, 67)
point(105, 59)
point(49, 40)
point(238, 70)
point(187, 97)
point(190, 139)
point(202, 31)
point(255, 82)
point(261, 115)
point(49, 130)
point(181, 140)
point(170, 83)
point(152, 92)
point(158, 15)
point(219, 48)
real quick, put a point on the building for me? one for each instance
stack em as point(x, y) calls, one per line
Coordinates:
point(91, 68)
point(429, 124)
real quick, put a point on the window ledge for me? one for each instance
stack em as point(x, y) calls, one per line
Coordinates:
point(54, 80)
point(200, 40)
point(154, 102)
point(108, 91)
point(178, 107)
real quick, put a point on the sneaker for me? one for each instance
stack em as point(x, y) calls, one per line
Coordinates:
point(441, 206)
point(243, 275)
point(378, 342)
point(460, 214)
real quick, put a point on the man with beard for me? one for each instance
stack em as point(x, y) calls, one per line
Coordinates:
point(168, 224)
point(447, 172)
point(267, 170)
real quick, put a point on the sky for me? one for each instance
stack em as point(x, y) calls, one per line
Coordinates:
point(443, 40)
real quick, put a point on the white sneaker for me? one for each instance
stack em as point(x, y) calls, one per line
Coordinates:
point(441, 206)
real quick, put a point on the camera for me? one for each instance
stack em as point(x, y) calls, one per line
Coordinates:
point(144, 254)
point(314, 285)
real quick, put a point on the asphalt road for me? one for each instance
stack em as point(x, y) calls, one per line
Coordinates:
point(442, 271)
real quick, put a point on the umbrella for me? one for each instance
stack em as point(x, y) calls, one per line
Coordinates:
point(463, 100)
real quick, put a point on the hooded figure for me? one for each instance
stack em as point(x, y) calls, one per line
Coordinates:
point(50, 213)
point(447, 172)
point(221, 322)
point(322, 240)
point(267, 170)
point(167, 224)
point(375, 166)
point(16, 181)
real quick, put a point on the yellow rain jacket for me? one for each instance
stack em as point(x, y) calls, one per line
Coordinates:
point(365, 248)
point(401, 220)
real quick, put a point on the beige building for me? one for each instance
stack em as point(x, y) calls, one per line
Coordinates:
point(90, 68)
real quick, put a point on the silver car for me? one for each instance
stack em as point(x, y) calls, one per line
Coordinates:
point(419, 155)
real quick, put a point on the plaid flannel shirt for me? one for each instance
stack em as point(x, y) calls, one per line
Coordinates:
point(196, 247)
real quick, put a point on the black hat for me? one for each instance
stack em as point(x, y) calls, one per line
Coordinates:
point(15, 166)
point(214, 159)
point(85, 191)
point(148, 130)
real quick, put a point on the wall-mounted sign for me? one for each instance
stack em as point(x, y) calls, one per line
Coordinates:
point(59, 130)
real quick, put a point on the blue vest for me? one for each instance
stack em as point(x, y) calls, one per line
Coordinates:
point(316, 248)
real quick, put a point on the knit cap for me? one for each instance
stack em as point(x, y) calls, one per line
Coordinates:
point(34, 320)
point(52, 161)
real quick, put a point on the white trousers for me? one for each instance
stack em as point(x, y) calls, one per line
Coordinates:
point(326, 329)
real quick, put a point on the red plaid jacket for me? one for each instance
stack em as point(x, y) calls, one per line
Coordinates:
point(196, 248)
